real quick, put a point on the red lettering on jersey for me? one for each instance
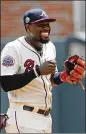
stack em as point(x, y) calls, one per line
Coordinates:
point(29, 64)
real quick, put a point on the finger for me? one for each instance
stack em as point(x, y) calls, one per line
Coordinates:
point(69, 80)
point(51, 71)
point(79, 69)
point(75, 74)
point(52, 65)
point(81, 62)
point(75, 79)
point(52, 68)
point(52, 62)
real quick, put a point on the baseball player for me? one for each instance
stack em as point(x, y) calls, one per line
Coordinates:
point(28, 73)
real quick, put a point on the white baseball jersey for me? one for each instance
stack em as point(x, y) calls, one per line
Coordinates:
point(17, 57)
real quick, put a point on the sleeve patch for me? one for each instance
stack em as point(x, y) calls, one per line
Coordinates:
point(8, 61)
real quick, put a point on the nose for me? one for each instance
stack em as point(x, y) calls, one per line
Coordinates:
point(46, 27)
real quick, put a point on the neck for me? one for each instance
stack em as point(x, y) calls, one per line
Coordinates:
point(34, 43)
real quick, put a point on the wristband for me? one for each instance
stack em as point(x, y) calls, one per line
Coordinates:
point(57, 79)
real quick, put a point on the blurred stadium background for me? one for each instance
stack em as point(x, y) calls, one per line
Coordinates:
point(68, 35)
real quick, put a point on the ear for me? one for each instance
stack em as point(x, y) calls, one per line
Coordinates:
point(28, 26)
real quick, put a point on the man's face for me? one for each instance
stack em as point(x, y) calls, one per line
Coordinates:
point(40, 31)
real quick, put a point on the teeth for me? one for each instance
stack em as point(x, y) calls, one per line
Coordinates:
point(44, 34)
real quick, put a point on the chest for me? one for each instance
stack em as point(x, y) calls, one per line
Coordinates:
point(29, 58)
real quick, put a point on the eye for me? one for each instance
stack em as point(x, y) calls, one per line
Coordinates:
point(43, 25)
point(40, 25)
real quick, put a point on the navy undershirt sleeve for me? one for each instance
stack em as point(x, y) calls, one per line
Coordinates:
point(16, 81)
point(56, 78)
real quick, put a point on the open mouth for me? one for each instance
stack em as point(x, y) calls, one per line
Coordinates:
point(45, 34)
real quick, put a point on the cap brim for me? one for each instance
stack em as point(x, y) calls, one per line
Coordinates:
point(45, 19)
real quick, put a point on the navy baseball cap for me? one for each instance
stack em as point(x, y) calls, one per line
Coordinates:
point(36, 15)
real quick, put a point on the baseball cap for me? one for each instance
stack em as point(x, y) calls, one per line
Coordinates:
point(36, 15)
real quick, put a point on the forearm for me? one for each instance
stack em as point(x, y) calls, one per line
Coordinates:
point(16, 81)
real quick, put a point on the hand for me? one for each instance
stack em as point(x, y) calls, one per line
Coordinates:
point(48, 67)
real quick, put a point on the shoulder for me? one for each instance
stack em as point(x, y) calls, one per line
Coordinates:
point(13, 44)
point(51, 45)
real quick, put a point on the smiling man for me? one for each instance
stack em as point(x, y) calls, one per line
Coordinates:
point(28, 72)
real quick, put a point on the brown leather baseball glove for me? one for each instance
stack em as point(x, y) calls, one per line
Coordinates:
point(74, 68)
